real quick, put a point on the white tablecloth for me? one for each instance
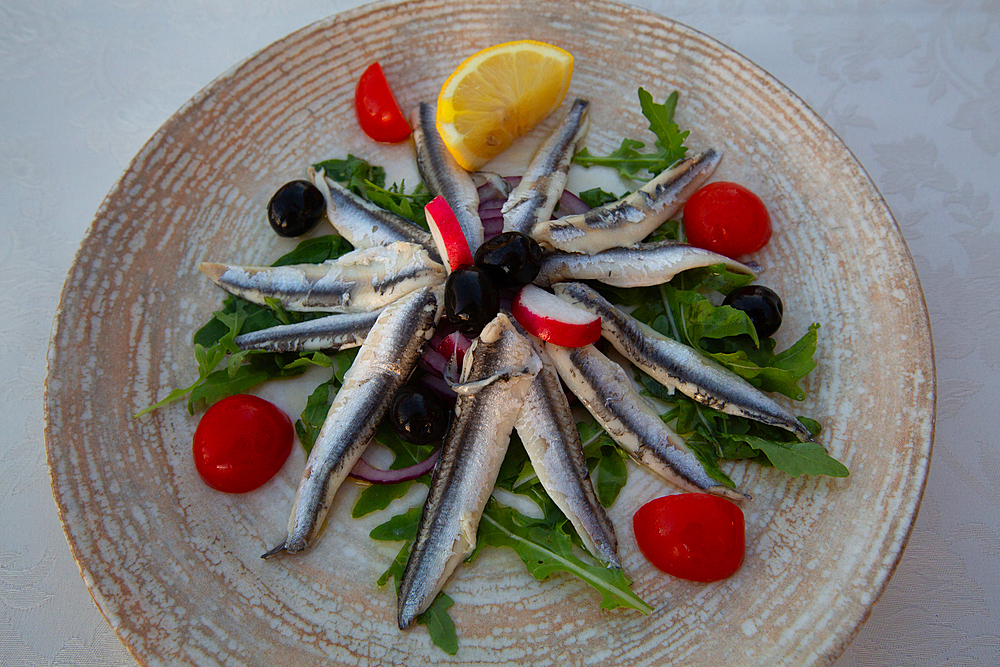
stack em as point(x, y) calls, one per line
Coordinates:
point(912, 86)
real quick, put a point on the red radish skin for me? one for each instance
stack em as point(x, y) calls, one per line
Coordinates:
point(448, 235)
point(548, 317)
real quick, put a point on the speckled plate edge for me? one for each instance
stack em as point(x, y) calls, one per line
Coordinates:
point(907, 507)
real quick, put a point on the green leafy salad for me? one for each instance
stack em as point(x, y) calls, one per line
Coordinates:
point(683, 309)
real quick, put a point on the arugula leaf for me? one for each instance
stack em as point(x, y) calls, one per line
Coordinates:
point(239, 380)
point(606, 461)
point(799, 458)
point(395, 199)
point(353, 173)
point(629, 159)
point(440, 627)
point(626, 159)
point(595, 197)
point(669, 137)
point(546, 550)
point(316, 250)
point(313, 415)
point(398, 528)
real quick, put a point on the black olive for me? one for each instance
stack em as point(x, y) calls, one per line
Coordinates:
point(471, 300)
point(761, 304)
point(295, 209)
point(418, 416)
point(511, 259)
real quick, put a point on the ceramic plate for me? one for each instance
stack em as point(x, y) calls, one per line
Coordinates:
point(176, 567)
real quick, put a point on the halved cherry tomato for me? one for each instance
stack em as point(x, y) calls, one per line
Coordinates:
point(241, 442)
point(692, 536)
point(378, 112)
point(728, 219)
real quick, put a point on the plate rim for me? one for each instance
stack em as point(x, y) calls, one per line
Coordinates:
point(924, 453)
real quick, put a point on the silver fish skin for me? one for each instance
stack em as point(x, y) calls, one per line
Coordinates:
point(443, 176)
point(384, 362)
point(359, 281)
point(471, 456)
point(364, 224)
point(536, 195)
point(548, 430)
point(639, 265)
point(633, 218)
point(607, 393)
point(678, 366)
point(339, 331)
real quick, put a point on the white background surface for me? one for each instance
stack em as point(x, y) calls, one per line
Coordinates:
point(913, 88)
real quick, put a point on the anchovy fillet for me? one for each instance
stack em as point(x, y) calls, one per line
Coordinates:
point(548, 430)
point(339, 331)
point(443, 176)
point(678, 366)
point(359, 281)
point(639, 265)
point(604, 388)
point(364, 224)
point(536, 196)
point(470, 461)
point(385, 361)
point(633, 218)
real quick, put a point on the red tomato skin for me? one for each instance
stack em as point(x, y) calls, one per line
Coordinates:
point(241, 442)
point(727, 218)
point(378, 112)
point(692, 536)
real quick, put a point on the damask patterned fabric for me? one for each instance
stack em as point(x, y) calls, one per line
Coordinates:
point(911, 86)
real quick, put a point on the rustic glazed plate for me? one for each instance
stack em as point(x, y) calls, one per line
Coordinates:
point(176, 567)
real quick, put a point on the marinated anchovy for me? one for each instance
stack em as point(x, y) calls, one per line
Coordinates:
point(385, 361)
point(359, 281)
point(548, 430)
point(470, 461)
point(443, 176)
point(639, 265)
point(364, 224)
point(678, 366)
point(536, 196)
point(339, 331)
point(633, 218)
point(605, 390)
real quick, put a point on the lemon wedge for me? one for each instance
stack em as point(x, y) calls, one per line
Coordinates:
point(498, 94)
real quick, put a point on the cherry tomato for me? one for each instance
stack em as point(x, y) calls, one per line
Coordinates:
point(241, 442)
point(378, 112)
point(692, 536)
point(728, 219)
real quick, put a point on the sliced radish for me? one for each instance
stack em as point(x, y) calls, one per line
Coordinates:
point(448, 234)
point(454, 345)
point(550, 318)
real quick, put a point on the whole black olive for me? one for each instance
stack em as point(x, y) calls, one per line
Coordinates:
point(295, 209)
point(471, 300)
point(418, 416)
point(511, 259)
point(761, 304)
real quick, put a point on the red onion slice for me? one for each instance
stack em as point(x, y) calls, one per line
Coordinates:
point(492, 227)
point(570, 204)
point(491, 202)
point(368, 473)
point(491, 205)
